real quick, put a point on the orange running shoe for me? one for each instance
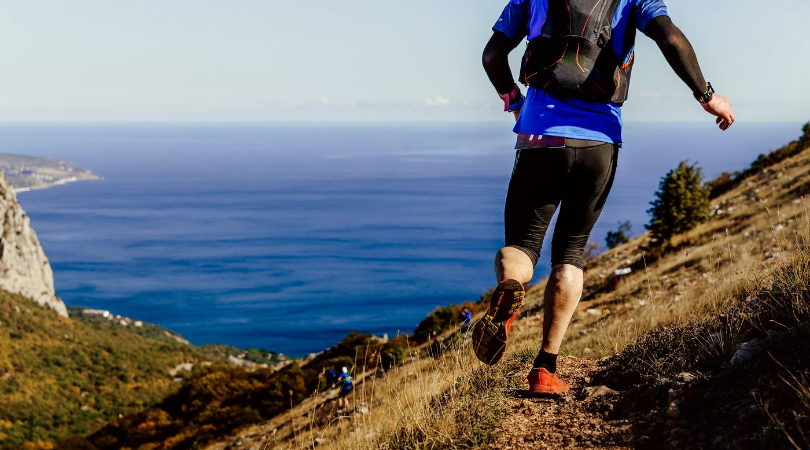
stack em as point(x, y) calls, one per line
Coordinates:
point(491, 333)
point(541, 381)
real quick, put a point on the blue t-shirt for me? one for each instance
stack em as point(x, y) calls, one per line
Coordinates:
point(573, 118)
point(346, 381)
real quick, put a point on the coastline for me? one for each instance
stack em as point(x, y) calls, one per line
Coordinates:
point(59, 182)
point(300, 225)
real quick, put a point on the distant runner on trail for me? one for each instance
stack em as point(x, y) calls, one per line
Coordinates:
point(577, 68)
point(331, 378)
point(465, 315)
point(345, 385)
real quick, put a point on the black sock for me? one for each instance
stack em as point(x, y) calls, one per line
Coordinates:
point(545, 360)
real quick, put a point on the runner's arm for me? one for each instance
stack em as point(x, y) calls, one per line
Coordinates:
point(681, 57)
point(678, 51)
point(496, 62)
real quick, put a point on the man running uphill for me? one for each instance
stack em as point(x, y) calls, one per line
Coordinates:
point(577, 65)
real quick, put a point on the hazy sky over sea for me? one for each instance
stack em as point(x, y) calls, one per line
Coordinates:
point(352, 60)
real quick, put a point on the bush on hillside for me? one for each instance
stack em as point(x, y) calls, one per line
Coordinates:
point(254, 355)
point(215, 400)
point(723, 183)
point(727, 181)
point(764, 161)
point(62, 377)
point(439, 321)
point(620, 236)
point(681, 203)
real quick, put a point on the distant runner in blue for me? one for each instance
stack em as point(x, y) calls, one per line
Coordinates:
point(577, 66)
point(466, 316)
point(331, 378)
point(345, 386)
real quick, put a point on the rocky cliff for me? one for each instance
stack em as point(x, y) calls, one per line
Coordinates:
point(24, 268)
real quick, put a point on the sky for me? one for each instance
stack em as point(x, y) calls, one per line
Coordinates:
point(354, 60)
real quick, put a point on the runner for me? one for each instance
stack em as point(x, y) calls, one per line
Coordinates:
point(331, 378)
point(465, 316)
point(577, 67)
point(345, 385)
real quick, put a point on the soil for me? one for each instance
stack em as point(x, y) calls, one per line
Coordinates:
point(581, 418)
point(688, 411)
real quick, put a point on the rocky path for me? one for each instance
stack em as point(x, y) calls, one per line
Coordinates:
point(579, 419)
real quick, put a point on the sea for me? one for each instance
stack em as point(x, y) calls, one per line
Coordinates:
point(287, 237)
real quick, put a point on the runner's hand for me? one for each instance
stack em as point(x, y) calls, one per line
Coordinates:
point(721, 107)
point(516, 113)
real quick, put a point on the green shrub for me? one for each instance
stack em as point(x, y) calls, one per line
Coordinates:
point(681, 203)
point(620, 236)
point(61, 377)
point(437, 322)
point(215, 400)
point(722, 184)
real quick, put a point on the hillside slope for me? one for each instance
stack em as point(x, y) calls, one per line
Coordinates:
point(702, 345)
point(61, 376)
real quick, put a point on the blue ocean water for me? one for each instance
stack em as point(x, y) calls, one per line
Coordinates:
point(287, 236)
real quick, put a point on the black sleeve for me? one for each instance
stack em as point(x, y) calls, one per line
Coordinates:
point(496, 62)
point(678, 52)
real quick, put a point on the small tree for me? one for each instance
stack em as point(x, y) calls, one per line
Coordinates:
point(681, 203)
point(804, 140)
point(620, 236)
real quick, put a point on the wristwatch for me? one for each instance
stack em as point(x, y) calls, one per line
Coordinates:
point(707, 96)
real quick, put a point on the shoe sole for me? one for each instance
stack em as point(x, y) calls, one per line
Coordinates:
point(490, 340)
point(542, 390)
point(489, 334)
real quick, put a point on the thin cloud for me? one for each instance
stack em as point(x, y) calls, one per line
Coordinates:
point(438, 100)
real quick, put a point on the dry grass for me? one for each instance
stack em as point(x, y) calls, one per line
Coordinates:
point(799, 382)
point(449, 402)
point(427, 403)
point(711, 271)
point(696, 293)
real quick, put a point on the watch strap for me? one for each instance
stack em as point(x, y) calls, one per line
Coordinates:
point(706, 97)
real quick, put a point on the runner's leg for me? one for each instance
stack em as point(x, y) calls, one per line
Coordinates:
point(513, 264)
point(563, 290)
point(533, 196)
point(586, 191)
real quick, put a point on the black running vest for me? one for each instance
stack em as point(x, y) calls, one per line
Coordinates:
point(574, 57)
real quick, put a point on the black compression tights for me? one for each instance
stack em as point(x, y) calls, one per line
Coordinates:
point(577, 178)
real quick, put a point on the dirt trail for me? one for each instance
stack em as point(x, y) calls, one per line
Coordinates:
point(578, 419)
